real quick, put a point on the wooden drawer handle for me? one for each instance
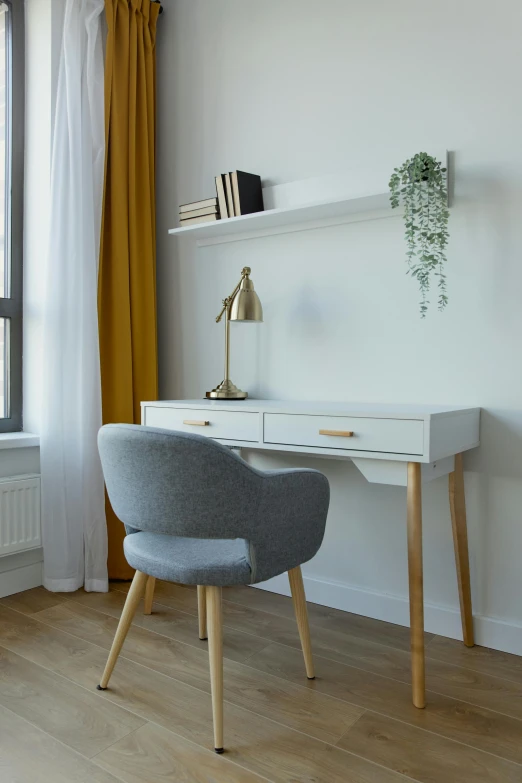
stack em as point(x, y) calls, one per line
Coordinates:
point(338, 433)
point(196, 422)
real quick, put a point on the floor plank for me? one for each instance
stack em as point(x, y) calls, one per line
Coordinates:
point(155, 755)
point(262, 746)
point(68, 713)
point(324, 617)
point(336, 644)
point(26, 637)
point(494, 693)
point(354, 724)
point(424, 756)
point(451, 718)
point(313, 713)
point(29, 755)
point(183, 626)
point(467, 685)
point(33, 600)
point(481, 659)
point(242, 618)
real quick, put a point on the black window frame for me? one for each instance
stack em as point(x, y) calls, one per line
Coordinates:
point(11, 308)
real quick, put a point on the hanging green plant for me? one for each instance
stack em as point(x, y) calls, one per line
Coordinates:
point(420, 186)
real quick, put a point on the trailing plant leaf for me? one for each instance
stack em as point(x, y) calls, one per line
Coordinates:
point(420, 186)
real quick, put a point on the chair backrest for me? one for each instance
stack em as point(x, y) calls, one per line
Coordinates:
point(177, 483)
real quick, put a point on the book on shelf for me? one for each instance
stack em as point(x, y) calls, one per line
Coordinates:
point(221, 197)
point(230, 198)
point(247, 193)
point(198, 212)
point(206, 202)
point(200, 219)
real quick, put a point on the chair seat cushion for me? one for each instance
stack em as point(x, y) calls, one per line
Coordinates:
point(190, 561)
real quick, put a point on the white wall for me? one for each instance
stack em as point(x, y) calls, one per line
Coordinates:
point(299, 88)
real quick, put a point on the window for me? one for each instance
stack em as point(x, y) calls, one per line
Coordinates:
point(11, 210)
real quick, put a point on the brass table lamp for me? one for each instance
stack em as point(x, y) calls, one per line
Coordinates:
point(242, 305)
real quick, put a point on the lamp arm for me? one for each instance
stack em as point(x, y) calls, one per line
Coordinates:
point(227, 301)
point(244, 273)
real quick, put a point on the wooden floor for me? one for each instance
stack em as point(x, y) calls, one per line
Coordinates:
point(354, 723)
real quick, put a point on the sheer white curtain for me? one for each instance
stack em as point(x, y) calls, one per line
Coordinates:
point(73, 504)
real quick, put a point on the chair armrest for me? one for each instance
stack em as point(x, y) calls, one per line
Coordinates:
point(291, 520)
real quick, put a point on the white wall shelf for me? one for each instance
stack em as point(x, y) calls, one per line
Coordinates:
point(285, 220)
point(353, 196)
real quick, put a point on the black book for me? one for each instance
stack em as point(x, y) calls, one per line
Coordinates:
point(248, 195)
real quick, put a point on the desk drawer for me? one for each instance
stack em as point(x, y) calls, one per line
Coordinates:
point(394, 436)
point(222, 425)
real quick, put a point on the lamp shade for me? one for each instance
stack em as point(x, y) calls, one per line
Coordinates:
point(246, 305)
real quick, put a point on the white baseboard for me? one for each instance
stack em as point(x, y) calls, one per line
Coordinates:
point(20, 579)
point(441, 620)
point(20, 571)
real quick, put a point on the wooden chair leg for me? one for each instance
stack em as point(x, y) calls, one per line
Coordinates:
point(414, 513)
point(460, 541)
point(149, 595)
point(295, 578)
point(202, 612)
point(129, 610)
point(215, 650)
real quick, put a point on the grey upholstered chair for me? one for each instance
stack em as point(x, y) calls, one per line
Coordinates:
point(197, 514)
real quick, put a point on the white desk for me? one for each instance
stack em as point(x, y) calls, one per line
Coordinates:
point(405, 445)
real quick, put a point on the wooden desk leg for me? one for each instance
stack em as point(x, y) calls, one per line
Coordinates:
point(414, 514)
point(457, 500)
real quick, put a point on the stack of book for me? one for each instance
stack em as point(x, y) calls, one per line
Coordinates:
point(239, 193)
point(199, 212)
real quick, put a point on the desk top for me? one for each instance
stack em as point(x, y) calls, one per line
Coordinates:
point(370, 409)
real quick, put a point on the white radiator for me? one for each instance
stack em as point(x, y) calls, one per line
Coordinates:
point(19, 514)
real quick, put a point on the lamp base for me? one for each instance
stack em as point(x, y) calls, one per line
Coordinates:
point(226, 391)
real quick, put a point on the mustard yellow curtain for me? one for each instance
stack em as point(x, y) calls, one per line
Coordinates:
point(127, 275)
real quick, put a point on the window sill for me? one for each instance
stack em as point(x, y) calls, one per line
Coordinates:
point(17, 440)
